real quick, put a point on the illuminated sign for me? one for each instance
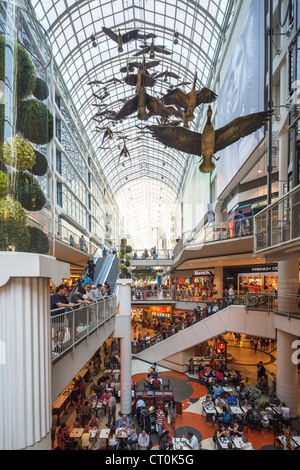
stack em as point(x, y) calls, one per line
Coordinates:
point(203, 273)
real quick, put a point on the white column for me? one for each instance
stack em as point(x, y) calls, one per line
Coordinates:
point(25, 349)
point(125, 340)
point(287, 371)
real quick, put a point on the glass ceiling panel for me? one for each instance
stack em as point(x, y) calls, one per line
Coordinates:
point(153, 171)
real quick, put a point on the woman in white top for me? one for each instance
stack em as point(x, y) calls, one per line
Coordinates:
point(285, 411)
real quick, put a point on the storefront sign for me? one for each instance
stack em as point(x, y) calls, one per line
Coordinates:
point(203, 273)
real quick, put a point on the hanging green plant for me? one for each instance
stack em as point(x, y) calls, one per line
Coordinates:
point(127, 257)
point(26, 79)
point(41, 164)
point(10, 209)
point(41, 91)
point(14, 235)
point(5, 186)
point(128, 249)
point(19, 154)
point(127, 264)
point(29, 193)
point(121, 255)
point(35, 122)
point(39, 242)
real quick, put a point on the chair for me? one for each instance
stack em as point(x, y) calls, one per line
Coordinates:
point(112, 447)
point(167, 385)
point(254, 424)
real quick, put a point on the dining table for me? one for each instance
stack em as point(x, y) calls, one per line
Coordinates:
point(76, 433)
point(180, 444)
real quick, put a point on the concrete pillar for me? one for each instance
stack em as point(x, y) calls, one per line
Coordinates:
point(287, 371)
point(288, 283)
point(25, 349)
point(219, 281)
point(125, 340)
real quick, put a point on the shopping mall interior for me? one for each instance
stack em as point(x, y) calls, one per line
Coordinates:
point(149, 225)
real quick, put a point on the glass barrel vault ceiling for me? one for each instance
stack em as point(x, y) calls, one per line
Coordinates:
point(147, 183)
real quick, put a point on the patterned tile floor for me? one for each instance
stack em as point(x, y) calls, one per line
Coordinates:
point(192, 417)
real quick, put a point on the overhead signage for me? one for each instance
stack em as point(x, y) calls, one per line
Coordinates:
point(203, 273)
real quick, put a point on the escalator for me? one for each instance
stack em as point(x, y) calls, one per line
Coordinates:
point(108, 272)
point(236, 319)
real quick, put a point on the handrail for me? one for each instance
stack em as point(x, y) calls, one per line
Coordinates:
point(279, 200)
point(74, 324)
point(288, 304)
point(105, 269)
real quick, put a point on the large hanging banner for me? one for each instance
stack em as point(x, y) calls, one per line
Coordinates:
point(242, 92)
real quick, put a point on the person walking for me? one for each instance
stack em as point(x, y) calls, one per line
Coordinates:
point(111, 407)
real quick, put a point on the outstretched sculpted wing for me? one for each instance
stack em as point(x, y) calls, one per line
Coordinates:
point(176, 97)
point(240, 127)
point(145, 50)
point(110, 34)
point(206, 96)
point(133, 34)
point(156, 108)
point(129, 108)
point(178, 138)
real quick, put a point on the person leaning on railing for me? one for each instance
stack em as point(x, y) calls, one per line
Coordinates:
point(58, 302)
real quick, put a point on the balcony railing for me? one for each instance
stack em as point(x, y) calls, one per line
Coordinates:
point(213, 232)
point(278, 223)
point(72, 325)
point(288, 305)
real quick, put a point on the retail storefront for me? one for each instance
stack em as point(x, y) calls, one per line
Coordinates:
point(254, 277)
point(198, 278)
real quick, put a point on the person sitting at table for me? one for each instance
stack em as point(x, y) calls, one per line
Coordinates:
point(93, 399)
point(245, 402)
point(219, 376)
point(85, 439)
point(112, 442)
point(123, 421)
point(235, 429)
point(207, 401)
point(165, 440)
point(219, 401)
point(63, 437)
point(144, 440)
point(94, 423)
point(104, 400)
point(132, 436)
point(225, 417)
point(246, 445)
point(192, 441)
point(232, 400)
point(148, 384)
point(217, 391)
point(274, 401)
point(236, 379)
point(221, 432)
point(253, 415)
point(156, 384)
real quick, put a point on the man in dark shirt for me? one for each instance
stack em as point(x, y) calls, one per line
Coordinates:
point(253, 415)
point(57, 303)
point(91, 267)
